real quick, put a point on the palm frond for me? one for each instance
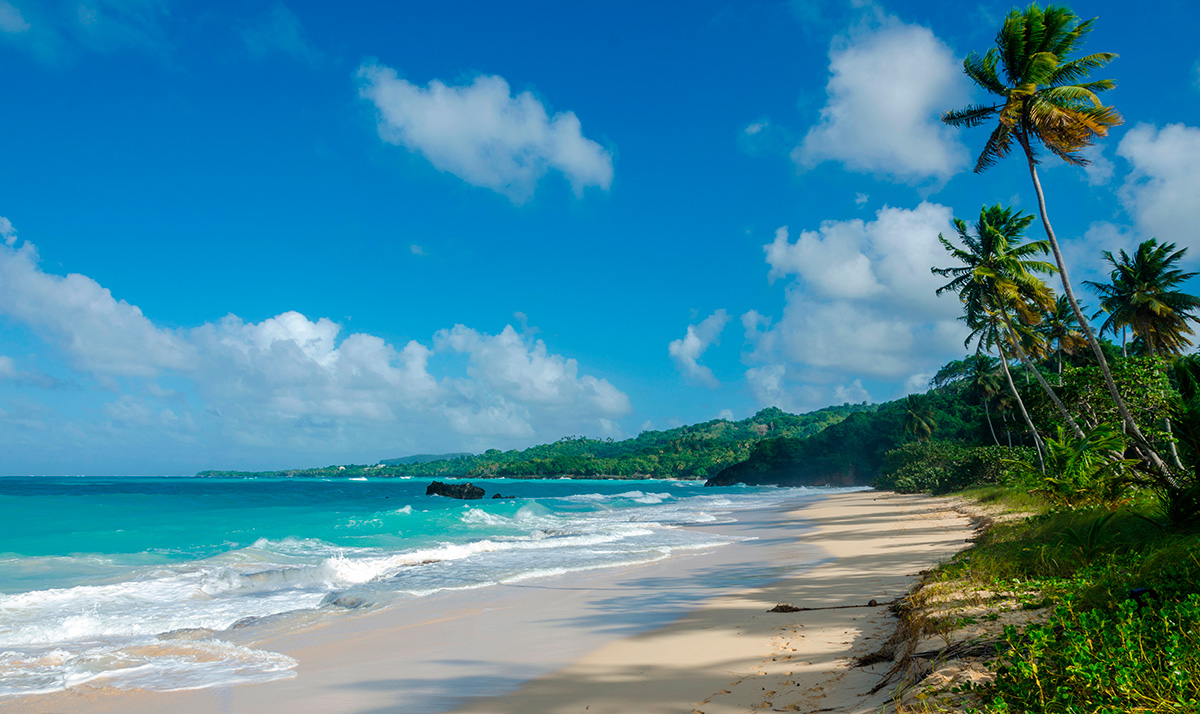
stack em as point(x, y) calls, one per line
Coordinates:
point(970, 116)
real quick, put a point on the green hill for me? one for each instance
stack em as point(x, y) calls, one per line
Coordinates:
point(695, 451)
point(849, 453)
point(424, 458)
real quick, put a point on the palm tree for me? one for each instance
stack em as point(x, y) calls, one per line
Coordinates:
point(919, 419)
point(1143, 295)
point(986, 332)
point(1060, 330)
point(1046, 98)
point(983, 382)
point(998, 277)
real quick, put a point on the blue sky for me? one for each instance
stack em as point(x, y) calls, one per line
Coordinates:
point(267, 234)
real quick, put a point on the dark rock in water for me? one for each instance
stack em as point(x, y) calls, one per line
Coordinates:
point(496, 495)
point(349, 602)
point(784, 607)
point(464, 491)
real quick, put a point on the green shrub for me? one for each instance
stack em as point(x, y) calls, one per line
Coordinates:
point(944, 466)
point(1123, 659)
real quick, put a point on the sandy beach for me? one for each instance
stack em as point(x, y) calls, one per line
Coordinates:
point(688, 634)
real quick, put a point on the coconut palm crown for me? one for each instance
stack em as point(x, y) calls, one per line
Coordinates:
point(996, 271)
point(1143, 294)
point(1044, 94)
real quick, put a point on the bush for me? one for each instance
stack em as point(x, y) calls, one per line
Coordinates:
point(1126, 659)
point(942, 466)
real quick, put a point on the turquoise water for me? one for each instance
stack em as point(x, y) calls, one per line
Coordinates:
point(134, 580)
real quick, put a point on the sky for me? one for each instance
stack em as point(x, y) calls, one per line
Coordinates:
point(264, 235)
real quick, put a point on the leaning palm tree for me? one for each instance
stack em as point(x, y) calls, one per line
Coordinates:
point(1060, 330)
point(1045, 99)
point(983, 382)
point(987, 334)
point(919, 418)
point(1143, 294)
point(998, 278)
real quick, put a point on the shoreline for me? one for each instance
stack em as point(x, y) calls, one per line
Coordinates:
point(652, 637)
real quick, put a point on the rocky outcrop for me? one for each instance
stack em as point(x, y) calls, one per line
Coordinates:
point(464, 491)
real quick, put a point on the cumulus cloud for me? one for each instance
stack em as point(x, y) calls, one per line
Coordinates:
point(483, 134)
point(887, 88)
point(1099, 170)
point(84, 319)
point(853, 393)
point(919, 382)
point(293, 382)
point(687, 350)
point(860, 199)
point(859, 304)
point(280, 32)
point(7, 232)
point(1162, 190)
point(523, 370)
point(790, 388)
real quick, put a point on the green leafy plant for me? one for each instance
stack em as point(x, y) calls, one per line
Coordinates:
point(1126, 659)
point(1084, 471)
point(1088, 541)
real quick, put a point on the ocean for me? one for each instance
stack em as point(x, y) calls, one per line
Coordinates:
point(132, 581)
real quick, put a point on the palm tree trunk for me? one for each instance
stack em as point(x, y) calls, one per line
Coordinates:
point(1029, 367)
point(1037, 440)
point(987, 413)
point(1060, 366)
point(1126, 418)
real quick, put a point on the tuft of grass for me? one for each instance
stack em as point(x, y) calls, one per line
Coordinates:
point(1010, 499)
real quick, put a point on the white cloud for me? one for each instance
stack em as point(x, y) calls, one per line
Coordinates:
point(7, 232)
point(919, 382)
point(100, 333)
point(861, 303)
point(1099, 170)
point(523, 370)
point(860, 199)
point(1083, 256)
point(290, 384)
point(483, 134)
point(726, 414)
point(781, 385)
point(755, 127)
point(10, 19)
point(1162, 190)
point(687, 350)
point(853, 393)
point(416, 249)
point(279, 32)
point(887, 89)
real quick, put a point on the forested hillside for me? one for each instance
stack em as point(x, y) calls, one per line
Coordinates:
point(695, 451)
point(852, 452)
